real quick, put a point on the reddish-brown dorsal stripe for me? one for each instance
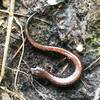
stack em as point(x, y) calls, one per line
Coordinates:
point(43, 73)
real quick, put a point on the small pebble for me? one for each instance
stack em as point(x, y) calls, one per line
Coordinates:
point(54, 2)
point(79, 47)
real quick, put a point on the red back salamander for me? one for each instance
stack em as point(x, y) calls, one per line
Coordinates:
point(43, 73)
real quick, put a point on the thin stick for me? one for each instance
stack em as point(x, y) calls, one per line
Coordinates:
point(18, 50)
point(9, 26)
point(16, 14)
point(92, 63)
point(17, 94)
point(23, 15)
point(14, 70)
point(18, 67)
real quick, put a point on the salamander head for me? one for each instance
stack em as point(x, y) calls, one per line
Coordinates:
point(37, 71)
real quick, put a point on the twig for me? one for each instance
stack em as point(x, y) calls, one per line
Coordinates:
point(18, 67)
point(5, 96)
point(92, 63)
point(16, 70)
point(85, 84)
point(23, 15)
point(18, 50)
point(16, 14)
point(64, 68)
point(9, 26)
point(18, 95)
